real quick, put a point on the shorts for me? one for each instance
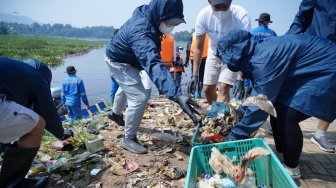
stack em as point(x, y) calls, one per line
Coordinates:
point(15, 121)
point(214, 74)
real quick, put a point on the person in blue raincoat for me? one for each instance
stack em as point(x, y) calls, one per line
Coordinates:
point(26, 109)
point(296, 72)
point(317, 18)
point(136, 47)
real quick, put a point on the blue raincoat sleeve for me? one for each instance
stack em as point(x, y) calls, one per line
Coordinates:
point(253, 116)
point(266, 75)
point(147, 54)
point(303, 18)
point(44, 106)
point(83, 92)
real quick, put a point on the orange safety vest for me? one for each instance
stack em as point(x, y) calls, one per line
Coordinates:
point(205, 49)
point(177, 69)
point(167, 50)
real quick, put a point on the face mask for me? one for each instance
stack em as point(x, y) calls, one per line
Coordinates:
point(165, 29)
point(221, 15)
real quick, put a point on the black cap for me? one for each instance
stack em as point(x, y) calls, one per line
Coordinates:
point(175, 21)
point(264, 17)
point(70, 70)
point(217, 2)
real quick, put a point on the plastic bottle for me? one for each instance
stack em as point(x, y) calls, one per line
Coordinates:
point(196, 95)
point(249, 182)
point(224, 183)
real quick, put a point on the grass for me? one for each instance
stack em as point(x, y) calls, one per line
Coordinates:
point(81, 134)
point(48, 50)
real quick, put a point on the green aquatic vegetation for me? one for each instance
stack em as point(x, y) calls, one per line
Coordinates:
point(49, 50)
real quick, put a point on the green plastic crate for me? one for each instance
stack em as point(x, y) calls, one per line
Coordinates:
point(196, 134)
point(269, 170)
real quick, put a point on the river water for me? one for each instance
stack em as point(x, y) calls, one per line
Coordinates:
point(93, 70)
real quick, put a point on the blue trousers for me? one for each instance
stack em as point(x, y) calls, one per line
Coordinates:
point(75, 113)
point(114, 88)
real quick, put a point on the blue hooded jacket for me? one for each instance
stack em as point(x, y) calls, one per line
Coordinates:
point(316, 18)
point(29, 86)
point(138, 42)
point(296, 70)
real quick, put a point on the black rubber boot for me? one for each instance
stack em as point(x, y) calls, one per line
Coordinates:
point(15, 166)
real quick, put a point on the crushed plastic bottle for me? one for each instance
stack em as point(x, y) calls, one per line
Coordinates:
point(53, 165)
point(250, 182)
point(37, 168)
point(224, 183)
point(196, 95)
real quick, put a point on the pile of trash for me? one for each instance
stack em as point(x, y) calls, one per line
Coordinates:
point(93, 155)
point(222, 117)
point(218, 122)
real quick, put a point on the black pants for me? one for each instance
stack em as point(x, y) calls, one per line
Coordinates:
point(287, 133)
point(201, 69)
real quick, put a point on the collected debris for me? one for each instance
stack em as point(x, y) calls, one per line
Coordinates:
point(262, 102)
point(93, 154)
point(222, 163)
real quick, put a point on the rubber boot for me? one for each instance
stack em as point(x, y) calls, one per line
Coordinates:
point(199, 89)
point(15, 166)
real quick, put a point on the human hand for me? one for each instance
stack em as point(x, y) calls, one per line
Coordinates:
point(192, 84)
point(185, 103)
point(186, 63)
point(67, 134)
point(87, 107)
point(238, 89)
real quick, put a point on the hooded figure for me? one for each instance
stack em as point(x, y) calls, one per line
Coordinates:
point(135, 47)
point(138, 42)
point(26, 108)
point(39, 97)
point(296, 72)
point(317, 18)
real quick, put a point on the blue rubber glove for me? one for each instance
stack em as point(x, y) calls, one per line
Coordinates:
point(238, 89)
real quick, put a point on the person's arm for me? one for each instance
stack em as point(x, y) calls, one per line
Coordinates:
point(149, 57)
point(303, 18)
point(240, 76)
point(198, 51)
point(44, 106)
point(83, 94)
point(188, 52)
point(269, 85)
point(238, 87)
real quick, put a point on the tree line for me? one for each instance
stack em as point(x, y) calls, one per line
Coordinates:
point(60, 30)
